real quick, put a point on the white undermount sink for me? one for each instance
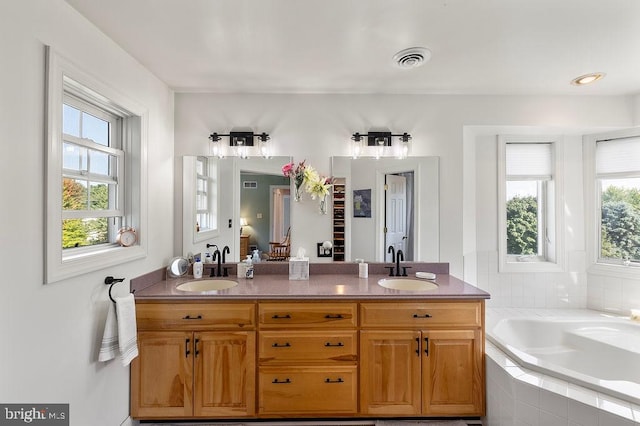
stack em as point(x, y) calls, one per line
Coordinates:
point(411, 284)
point(199, 286)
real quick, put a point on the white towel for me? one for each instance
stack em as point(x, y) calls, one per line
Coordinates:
point(120, 332)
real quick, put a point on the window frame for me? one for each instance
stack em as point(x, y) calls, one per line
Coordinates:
point(552, 258)
point(65, 78)
point(593, 210)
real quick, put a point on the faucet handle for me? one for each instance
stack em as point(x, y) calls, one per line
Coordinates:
point(404, 270)
point(390, 268)
point(226, 271)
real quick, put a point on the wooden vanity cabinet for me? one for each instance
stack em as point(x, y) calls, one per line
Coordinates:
point(422, 359)
point(307, 359)
point(195, 360)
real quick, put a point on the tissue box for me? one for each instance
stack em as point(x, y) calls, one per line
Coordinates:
point(299, 268)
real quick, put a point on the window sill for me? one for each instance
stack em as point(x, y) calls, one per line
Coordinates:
point(618, 271)
point(92, 260)
point(533, 265)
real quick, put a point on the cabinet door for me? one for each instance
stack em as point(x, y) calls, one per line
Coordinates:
point(162, 375)
point(390, 376)
point(453, 373)
point(224, 374)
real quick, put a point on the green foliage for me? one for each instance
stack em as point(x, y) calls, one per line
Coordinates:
point(620, 223)
point(84, 232)
point(522, 225)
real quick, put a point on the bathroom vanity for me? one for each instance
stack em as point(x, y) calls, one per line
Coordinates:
point(334, 346)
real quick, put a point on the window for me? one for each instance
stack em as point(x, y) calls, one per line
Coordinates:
point(92, 178)
point(206, 191)
point(95, 172)
point(528, 196)
point(199, 200)
point(617, 176)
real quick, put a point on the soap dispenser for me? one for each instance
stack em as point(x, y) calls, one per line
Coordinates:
point(197, 268)
point(249, 272)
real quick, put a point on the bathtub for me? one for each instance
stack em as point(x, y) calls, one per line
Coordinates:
point(596, 352)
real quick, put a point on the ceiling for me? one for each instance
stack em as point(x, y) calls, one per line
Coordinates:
point(347, 46)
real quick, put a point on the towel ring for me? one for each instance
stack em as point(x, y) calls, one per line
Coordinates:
point(113, 281)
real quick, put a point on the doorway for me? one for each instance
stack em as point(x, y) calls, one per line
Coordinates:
point(399, 214)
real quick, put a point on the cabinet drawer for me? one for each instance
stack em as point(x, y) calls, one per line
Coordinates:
point(194, 316)
point(305, 315)
point(307, 346)
point(420, 315)
point(308, 390)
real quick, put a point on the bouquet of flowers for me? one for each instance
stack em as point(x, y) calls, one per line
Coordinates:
point(298, 175)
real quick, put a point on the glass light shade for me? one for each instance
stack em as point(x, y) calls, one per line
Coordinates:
point(356, 148)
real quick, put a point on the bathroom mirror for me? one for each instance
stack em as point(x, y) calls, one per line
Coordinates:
point(213, 192)
point(405, 216)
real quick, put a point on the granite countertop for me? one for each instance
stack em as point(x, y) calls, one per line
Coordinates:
point(345, 284)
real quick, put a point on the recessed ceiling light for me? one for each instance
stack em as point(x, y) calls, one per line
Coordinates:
point(587, 78)
point(412, 57)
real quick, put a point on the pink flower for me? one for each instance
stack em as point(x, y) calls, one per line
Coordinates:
point(287, 169)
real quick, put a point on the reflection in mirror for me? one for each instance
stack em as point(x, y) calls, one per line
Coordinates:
point(264, 212)
point(215, 201)
point(405, 216)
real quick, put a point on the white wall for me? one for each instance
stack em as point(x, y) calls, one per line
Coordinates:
point(51, 333)
point(316, 127)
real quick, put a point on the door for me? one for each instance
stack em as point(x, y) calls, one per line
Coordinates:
point(452, 369)
point(390, 376)
point(162, 375)
point(280, 212)
point(224, 374)
point(395, 214)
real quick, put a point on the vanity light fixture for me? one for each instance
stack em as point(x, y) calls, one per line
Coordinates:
point(380, 144)
point(242, 144)
point(587, 78)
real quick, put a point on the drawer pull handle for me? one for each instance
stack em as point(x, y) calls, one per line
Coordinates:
point(189, 317)
point(186, 348)
point(332, 316)
point(338, 380)
point(276, 316)
point(426, 346)
point(195, 347)
point(281, 345)
point(281, 382)
point(418, 344)
point(421, 316)
point(329, 344)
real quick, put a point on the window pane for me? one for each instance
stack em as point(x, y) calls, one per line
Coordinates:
point(74, 157)
point(99, 195)
point(70, 120)
point(86, 232)
point(74, 194)
point(522, 217)
point(95, 129)
point(99, 162)
point(620, 219)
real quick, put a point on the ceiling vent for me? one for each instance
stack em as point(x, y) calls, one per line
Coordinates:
point(412, 57)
